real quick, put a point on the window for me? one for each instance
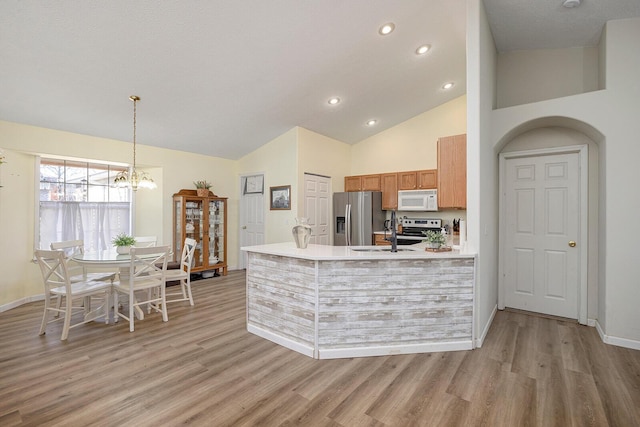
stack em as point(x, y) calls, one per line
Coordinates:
point(77, 202)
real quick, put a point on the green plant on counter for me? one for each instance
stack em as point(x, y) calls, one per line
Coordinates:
point(202, 184)
point(123, 239)
point(435, 237)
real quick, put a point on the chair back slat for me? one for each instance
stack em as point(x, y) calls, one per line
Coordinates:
point(148, 261)
point(145, 241)
point(54, 269)
point(188, 250)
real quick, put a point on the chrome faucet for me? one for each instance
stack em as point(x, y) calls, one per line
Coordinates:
point(394, 237)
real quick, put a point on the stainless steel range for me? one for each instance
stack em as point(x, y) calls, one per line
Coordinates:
point(412, 229)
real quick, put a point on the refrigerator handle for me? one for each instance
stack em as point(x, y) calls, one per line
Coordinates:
point(347, 222)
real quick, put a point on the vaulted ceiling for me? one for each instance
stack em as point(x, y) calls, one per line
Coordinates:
point(222, 78)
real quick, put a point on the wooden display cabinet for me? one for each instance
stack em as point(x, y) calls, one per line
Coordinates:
point(205, 220)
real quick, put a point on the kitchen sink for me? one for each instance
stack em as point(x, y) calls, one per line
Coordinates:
point(381, 250)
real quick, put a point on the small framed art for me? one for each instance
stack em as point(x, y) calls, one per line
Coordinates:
point(280, 197)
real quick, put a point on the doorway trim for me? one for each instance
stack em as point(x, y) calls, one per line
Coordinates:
point(583, 191)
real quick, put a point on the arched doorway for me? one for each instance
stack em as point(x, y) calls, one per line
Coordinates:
point(538, 140)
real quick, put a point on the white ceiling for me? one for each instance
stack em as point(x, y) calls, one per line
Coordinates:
point(224, 77)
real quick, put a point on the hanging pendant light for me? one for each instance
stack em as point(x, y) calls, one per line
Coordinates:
point(137, 180)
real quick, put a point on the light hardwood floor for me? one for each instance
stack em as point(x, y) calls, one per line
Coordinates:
point(204, 368)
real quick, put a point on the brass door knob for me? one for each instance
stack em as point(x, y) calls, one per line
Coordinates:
point(244, 227)
point(572, 243)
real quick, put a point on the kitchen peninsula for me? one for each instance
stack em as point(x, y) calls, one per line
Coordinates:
point(339, 302)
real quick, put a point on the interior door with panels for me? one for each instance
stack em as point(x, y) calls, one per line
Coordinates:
point(542, 222)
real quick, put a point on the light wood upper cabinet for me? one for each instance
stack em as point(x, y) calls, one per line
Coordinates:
point(362, 183)
point(407, 180)
point(371, 182)
point(352, 183)
point(418, 180)
point(389, 186)
point(428, 179)
point(452, 172)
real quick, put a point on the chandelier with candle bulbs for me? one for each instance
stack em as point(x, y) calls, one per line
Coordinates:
point(137, 179)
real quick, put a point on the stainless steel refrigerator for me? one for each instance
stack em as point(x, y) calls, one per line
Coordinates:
point(356, 215)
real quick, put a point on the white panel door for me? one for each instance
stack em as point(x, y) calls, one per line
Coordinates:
point(316, 207)
point(251, 220)
point(542, 214)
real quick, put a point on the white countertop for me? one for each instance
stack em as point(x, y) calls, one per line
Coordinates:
point(325, 252)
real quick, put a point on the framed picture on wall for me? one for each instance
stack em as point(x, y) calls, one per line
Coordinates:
point(280, 197)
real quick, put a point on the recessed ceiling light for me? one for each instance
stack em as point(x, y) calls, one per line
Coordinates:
point(447, 85)
point(423, 49)
point(371, 122)
point(333, 101)
point(387, 29)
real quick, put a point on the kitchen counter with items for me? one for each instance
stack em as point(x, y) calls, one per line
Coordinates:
point(339, 301)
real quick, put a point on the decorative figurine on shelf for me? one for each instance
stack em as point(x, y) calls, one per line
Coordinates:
point(123, 243)
point(202, 188)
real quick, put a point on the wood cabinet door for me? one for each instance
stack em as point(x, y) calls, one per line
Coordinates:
point(370, 182)
point(407, 180)
point(379, 240)
point(389, 186)
point(352, 183)
point(452, 172)
point(428, 178)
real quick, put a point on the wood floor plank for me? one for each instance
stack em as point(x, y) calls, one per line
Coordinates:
point(204, 369)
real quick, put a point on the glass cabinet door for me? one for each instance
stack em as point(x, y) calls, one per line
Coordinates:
point(178, 238)
point(216, 232)
point(194, 227)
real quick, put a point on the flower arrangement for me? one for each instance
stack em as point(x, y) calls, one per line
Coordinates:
point(435, 239)
point(123, 239)
point(2, 157)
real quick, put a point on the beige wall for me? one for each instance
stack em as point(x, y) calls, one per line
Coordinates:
point(278, 160)
point(171, 169)
point(411, 145)
point(536, 75)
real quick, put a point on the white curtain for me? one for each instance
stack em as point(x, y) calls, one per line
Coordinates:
point(96, 223)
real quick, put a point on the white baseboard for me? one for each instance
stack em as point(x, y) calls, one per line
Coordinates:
point(591, 322)
point(617, 341)
point(485, 331)
point(390, 350)
point(21, 301)
point(285, 342)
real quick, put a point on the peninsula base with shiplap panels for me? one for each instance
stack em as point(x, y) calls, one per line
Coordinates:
point(340, 302)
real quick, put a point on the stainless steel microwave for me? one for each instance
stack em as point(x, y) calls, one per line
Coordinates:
point(418, 200)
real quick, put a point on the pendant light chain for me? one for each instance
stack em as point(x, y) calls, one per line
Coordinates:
point(135, 100)
point(135, 181)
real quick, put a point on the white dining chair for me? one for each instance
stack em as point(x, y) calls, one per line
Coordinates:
point(145, 241)
point(147, 272)
point(58, 286)
point(183, 274)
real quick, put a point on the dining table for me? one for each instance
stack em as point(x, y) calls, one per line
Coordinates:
point(112, 260)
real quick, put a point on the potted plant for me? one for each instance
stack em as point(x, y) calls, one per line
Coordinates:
point(123, 243)
point(202, 188)
point(435, 239)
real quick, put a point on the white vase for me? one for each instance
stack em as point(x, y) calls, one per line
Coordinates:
point(301, 233)
point(123, 250)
